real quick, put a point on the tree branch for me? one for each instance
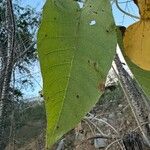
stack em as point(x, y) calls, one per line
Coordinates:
point(10, 28)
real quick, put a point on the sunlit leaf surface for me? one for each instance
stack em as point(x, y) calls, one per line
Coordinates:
point(137, 44)
point(76, 48)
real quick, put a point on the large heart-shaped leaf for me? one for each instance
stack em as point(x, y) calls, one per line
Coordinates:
point(76, 48)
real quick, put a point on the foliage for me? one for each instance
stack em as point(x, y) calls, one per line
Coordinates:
point(29, 121)
point(75, 58)
point(137, 53)
point(112, 94)
point(25, 20)
point(142, 76)
point(28, 112)
point(76, 48)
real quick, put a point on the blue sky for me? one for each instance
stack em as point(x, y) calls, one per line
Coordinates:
point(37, 4)
point(120, 19)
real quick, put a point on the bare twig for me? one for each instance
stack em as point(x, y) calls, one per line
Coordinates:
point(101, 120)
point(98, 129)
point(86, 122)
point(116, 141)
point(24, 52)
point(126, 13)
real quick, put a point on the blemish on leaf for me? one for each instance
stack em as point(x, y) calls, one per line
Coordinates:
point(101, 86)
point(95, 12)
point(95, 66)
point(77, 96)
point(57, 127)
point(107, 31)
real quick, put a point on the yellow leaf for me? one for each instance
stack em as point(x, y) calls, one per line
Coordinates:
point(144, 6)
point(137, 44)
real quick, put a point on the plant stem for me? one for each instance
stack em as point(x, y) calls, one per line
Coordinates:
point(134, 99)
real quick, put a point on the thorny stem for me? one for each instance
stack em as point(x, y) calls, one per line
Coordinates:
point(135, 100)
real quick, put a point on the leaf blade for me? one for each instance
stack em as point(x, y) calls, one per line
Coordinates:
point(142, 76)
point(69, 56)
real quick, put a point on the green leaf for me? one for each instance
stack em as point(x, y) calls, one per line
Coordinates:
point(142, 76)
point(76, 48)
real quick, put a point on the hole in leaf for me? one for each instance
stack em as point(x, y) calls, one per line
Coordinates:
point(92, 22)
point(81, 4)
point(77, 96)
